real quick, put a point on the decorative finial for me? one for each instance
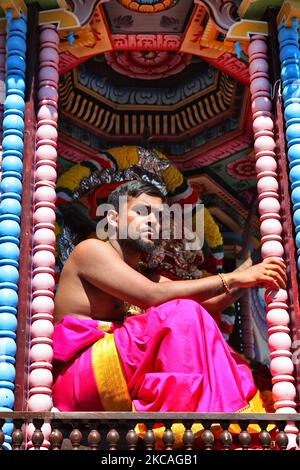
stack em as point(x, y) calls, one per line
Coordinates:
point(295, 23)
point(8, 15)
point(71, 38)
point(237, 48)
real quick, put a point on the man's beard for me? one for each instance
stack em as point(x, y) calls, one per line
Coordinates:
point(140, 244)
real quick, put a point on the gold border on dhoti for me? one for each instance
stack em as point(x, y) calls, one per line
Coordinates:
point(109, 377)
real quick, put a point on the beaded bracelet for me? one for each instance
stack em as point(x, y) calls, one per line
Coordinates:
point(225, 284)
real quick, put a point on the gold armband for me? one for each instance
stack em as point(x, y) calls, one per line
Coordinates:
point(225, 284)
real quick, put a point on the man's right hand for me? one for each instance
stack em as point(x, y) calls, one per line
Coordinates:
point(269, 273)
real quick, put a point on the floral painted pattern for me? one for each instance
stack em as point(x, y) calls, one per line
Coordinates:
point(241, 169)
point(148, 6)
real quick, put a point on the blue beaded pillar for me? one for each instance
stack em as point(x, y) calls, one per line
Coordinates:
point(290, 75)
point(10, 208)
point(2, 86)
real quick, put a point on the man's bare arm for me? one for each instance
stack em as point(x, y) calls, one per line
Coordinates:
point(219, 303)
point(213, 305)
point(98, 263)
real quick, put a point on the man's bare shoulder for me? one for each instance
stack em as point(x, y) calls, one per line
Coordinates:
point(92, 248)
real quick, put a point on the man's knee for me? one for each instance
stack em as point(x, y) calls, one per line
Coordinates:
point(189, 304)
point(180, 303)
point(182, 308)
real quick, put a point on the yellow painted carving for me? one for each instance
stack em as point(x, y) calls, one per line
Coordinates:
point(196, 49)
point(241, 30)
point(254, 9)
point(289, 10)
point(62, 3)
point(83, 37)
point(63, 18)
point(210, 39)
point(91, 39)
point(244, 7)
point(208, 52)
point(194, 30)
point(16, 6)
point(201, 38)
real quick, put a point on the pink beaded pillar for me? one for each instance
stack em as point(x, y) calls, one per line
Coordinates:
point(2, 85)
point(41, 353)
point(284, 392)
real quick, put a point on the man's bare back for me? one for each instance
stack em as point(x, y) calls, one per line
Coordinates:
point(79, 298)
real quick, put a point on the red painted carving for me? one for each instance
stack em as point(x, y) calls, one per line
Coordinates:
point(73, 151)
point(232, 66)
point(68, 61)
point(195, 160)
point(147, 64)
point(242, 169)
point(146, 42)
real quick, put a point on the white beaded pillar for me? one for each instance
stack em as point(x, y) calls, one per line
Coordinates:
point(284, 391)
point(41, 354)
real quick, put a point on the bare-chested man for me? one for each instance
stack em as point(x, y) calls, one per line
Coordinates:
point(95, 282)
point(99, 276)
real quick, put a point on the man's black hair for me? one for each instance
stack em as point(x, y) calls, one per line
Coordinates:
point(133, 189)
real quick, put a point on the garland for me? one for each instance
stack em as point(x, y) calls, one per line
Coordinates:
point(71, 178)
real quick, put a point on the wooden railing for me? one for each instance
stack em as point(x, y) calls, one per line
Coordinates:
point(117, 430)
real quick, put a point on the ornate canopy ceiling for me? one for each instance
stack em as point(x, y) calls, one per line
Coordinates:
point(180, 114)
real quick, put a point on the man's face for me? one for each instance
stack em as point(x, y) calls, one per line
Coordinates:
point(141, 216)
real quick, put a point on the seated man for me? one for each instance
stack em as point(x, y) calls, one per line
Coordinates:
point(172, 357)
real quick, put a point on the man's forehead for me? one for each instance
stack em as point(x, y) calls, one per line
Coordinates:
point(147, 200)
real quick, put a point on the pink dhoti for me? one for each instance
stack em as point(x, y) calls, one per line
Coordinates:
point(170, 358)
